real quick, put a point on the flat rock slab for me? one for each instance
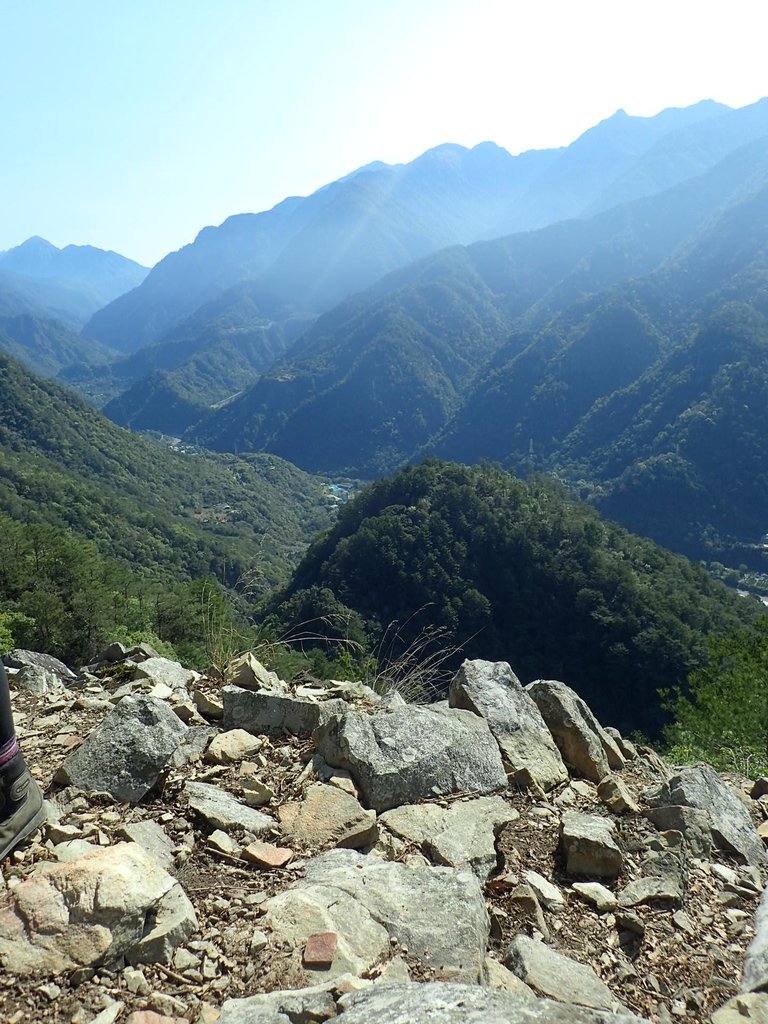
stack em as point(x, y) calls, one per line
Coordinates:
point(164, 671)
point(222, 810)
point(462, 835)
point(493, 691)
point(649, 890)
point(127, 752)
point(310, 1005)
point(93, 910)
point(438, 914)
point(406, 754)
point(328, 816)
point(153, 838)
point(732, 828)
point(589, 847)
point(555, 976)
point(275, 712)
point(444, 1003)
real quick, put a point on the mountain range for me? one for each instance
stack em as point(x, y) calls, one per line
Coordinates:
point(596, 312)
point(69, 284)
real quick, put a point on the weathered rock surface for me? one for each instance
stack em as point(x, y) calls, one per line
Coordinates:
point(412, 753)
point(756, 960)
point(578, 734)
point(742, 1009)
point(153, 838)
point(248, 673)
point(222, 810)
point(233, 746)
point(275, 712)
point(300, 1006)
point(125, 755)
point(598, 895)
point(437, 914)
point(39, 680)
point(91, 911)
point(442, 1003)
point(616, 796)
point(551, 974)
point(493, 691)
point(327, 816)
point(731, 826)
point(691, 822)
point(589, 847)
point(462, 835)
point(164, 671)
point(19, 658)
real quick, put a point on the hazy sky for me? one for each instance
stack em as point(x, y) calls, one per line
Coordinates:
point(131, 124)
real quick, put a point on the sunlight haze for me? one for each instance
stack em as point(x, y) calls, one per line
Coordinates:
point(132, 126)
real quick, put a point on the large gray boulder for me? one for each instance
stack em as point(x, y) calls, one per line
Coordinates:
point(276, 711)
point(127, 752)
point(409, 753)
point(443, 1003)
point(551, 974)
point(108, 906)
point(19, 658)
point(438, 914)
point(493, 691)
point(730, 824)
point(583, 742)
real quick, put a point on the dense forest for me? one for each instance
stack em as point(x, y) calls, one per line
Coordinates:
point(515, 571)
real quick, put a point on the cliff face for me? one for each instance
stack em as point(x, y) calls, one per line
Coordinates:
point(248, 850)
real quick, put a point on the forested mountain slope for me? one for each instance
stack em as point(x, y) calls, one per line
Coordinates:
point(507, 566)
point(485, 346)
point(171, 514)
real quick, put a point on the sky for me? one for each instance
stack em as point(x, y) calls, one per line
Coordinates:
point(132, 124)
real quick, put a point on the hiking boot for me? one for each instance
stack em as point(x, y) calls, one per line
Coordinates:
point(21, 810)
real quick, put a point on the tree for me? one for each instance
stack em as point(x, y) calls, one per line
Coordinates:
point(724, 716)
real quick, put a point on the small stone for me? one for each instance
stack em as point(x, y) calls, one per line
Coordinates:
point(223, 843)
point(320, 949)
point(265, 855)
point(50, 991)
point(232, 746)
point(184, 959)
point(548, 895)
point(589, 846)
point(630, 921)
point(600, 897)
point(259, 940)
point(646, 890)
point(616, 796)
point(684, 922)
point(136, 982)
point(255, 793)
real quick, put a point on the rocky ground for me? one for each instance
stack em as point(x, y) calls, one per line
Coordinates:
point(209, 841)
